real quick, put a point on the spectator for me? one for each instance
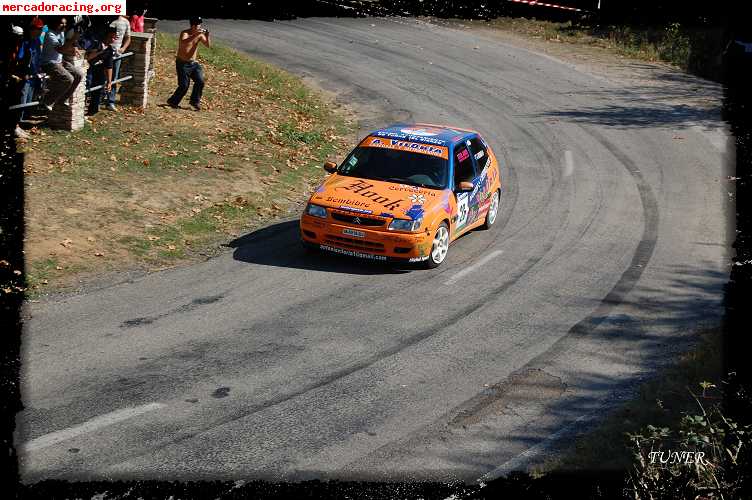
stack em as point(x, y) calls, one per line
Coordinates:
point(137, 22)
point(30, 69)
point(186, 65)
point(64, 76)
point(101, 62)
point(15, 70)
point(121, 43)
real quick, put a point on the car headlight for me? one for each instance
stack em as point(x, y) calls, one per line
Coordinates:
point(316, 210)
point(405, 225)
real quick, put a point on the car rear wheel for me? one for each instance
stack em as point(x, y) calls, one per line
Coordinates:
point(493, 211)
point(440, 247)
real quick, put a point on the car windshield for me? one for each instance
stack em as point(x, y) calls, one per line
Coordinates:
point(382, 164)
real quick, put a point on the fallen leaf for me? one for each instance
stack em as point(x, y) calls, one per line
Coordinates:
point(153, 238)
point(67, 242)
point(113, 157)
point(146, 163)
point(171, 247)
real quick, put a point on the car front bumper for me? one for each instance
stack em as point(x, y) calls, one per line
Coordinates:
point(362, 242)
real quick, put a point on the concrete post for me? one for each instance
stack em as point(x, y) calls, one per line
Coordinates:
point(71, 117)
point(150, 26)
point(135, 91)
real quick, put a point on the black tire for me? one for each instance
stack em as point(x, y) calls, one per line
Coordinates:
point(489, 221)
point(437, 255)
point(310, 248)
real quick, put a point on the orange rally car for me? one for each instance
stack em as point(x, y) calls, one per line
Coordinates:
point(404, 193)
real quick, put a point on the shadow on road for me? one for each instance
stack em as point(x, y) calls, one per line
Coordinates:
point(279, 245)
point(680, 103)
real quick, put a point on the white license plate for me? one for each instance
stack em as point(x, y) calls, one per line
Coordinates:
point(353, 232)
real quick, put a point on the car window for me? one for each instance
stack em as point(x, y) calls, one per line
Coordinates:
point(396, 166)
point(480, 152)
point(463, 165)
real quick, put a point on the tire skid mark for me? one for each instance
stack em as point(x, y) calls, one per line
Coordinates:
point(195, 303)
point(424, 334)
point(244, 412)
point(613, 298)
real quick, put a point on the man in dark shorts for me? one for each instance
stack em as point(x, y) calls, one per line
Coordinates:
point(187, 67)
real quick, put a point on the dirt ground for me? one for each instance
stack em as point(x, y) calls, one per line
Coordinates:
point(147, 189)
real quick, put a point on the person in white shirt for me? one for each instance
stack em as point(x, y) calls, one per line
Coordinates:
point(64, 76)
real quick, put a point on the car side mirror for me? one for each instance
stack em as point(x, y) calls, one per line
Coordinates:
point(330, 167)
point(466, 186)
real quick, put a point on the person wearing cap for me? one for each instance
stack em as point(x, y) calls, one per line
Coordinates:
point(186, 66)
point(64, 76)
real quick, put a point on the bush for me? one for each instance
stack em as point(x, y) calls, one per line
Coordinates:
point(707, 457)
point(674, 46)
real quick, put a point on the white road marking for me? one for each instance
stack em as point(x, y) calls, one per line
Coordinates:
point(90, 426)
point(568, 163)
point(518, 462)
point(472, 268)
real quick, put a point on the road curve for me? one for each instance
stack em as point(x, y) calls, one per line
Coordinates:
point(608, 255)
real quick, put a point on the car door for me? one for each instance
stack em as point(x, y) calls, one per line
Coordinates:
point(464, 171)
point(479, 202)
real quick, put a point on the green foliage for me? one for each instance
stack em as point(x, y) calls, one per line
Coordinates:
point(718, 468)
point(674, 46)
point(291, 135)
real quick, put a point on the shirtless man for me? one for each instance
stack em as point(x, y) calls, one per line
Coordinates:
point(186, 65)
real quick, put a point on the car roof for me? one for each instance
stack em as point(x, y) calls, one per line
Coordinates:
point(425, 133)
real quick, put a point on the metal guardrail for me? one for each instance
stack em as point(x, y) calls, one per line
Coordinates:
point(97, 87)
point(46, 77)
point(21, 106)
point(116, 58)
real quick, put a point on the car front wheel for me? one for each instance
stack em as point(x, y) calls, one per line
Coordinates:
point(493, 211)
point(440, 247)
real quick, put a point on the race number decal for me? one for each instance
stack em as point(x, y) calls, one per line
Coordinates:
point(462, 209)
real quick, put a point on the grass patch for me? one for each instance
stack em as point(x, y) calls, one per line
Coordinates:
point(661, 402)
point(149, 188)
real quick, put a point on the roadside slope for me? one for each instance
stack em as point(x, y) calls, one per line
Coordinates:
point(147, 189)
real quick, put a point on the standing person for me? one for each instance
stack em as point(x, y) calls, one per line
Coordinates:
point(16, 71)
point(186, 65)
point(29, 57)
point(101, 64)
point(121, 43)
point(64, 76)
point(137, 22)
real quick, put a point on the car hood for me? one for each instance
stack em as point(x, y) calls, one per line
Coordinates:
point(386, 199)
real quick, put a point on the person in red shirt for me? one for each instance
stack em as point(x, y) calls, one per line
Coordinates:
point(137, 22)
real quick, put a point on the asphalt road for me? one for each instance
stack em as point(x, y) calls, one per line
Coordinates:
point(607, 258)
